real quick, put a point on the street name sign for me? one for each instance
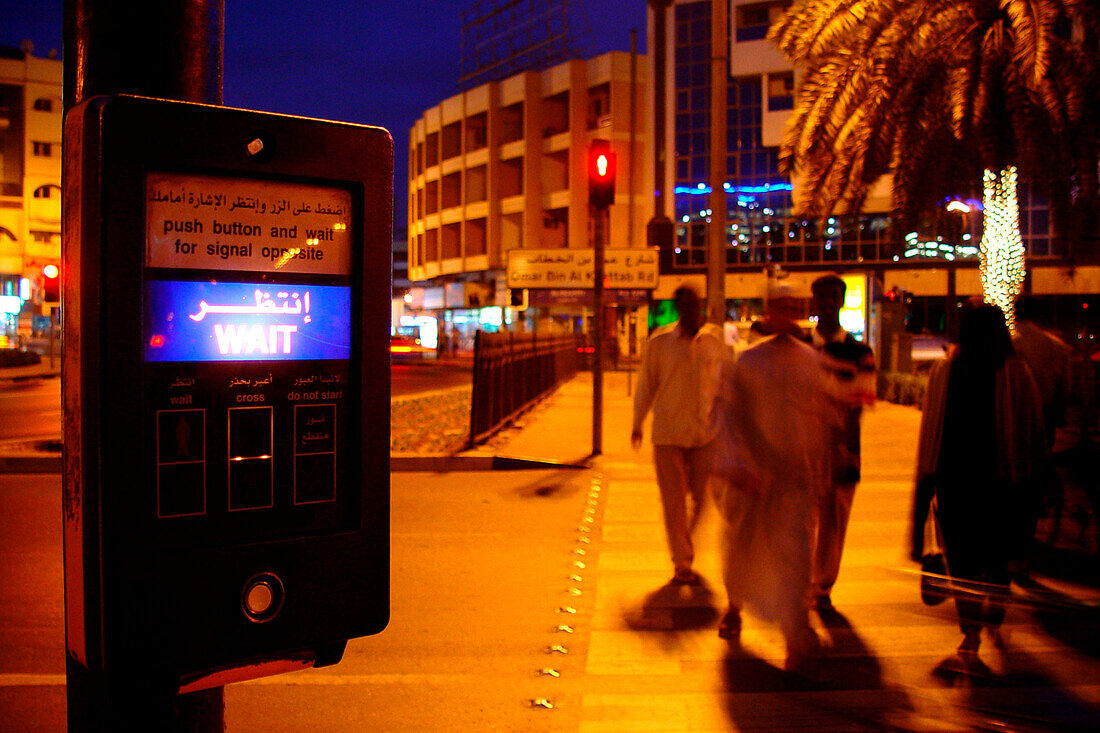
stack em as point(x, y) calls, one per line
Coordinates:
point(624, 268)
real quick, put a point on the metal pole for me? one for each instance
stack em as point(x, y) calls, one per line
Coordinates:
point(631, 336)
point(716, 229)
point(171, 49)
point(660, 232)
point(630, 185)
point(633, 136)
point(53, 337)
point(597, 331)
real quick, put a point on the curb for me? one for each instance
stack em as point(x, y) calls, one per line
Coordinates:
point(30, 464)
point(398, 463)
point(15, 375)
point(480, 462)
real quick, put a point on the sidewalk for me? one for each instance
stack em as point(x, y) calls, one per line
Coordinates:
point(640, 655)
point(654, 661)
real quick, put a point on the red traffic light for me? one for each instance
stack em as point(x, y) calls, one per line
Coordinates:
point(51, 284)
point(601, 174)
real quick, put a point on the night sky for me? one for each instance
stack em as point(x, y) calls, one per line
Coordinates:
point(364, 61)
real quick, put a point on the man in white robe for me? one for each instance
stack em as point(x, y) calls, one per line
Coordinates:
point(772, 465)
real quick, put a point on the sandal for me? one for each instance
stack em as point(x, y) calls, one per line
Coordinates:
point(684, 577)
point(730, 626)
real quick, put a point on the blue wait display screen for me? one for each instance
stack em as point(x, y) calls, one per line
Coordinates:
point(202, 321)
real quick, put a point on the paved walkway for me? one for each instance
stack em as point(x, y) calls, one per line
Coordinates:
point(654, 661)
point(647, 657)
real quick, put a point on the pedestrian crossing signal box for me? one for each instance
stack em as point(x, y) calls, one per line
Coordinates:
point(226, 393)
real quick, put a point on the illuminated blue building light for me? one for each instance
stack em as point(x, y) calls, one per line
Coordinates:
point(703, 188)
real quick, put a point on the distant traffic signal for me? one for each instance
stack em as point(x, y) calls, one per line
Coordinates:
point(601, 174)
point(51, 284)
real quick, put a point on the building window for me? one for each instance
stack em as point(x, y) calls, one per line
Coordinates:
point(780, 92)
point(451, 141)
point(43, 104)
point(692, 137)
point(43, 237)
point(431, 148)
point(511, 123)
point(47, 191)
point(43, 150)
point(754, 20)
point(477, 131)
point(599, 106)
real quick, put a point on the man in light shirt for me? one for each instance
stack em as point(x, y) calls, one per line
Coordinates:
point(679, 381)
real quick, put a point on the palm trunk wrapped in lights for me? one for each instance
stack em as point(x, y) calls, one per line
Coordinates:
point(1002, 251)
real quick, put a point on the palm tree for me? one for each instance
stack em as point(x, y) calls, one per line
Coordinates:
point(944, 94)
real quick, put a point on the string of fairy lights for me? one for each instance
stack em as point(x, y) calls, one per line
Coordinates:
point(1002, 265)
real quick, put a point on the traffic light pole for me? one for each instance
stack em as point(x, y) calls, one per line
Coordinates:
point(601, 194)
point(597, 329)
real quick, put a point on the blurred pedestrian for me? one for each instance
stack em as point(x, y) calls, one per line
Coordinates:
point(981, 456)
point(850, 365)
point(756, 331)
point(1049, 359)
point(679, 381)
point(770, 468)
point(730, 334)
point(443, 344)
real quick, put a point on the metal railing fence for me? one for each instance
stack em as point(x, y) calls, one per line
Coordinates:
point(512, 372)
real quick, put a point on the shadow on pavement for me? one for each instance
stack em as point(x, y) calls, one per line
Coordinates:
point(1021, 699)
point(856, 696)
point(674, 608)
point(1078, 627)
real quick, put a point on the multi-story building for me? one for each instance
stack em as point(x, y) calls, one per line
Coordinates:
point(936, 266)
point(30, 184)
point(502, 167)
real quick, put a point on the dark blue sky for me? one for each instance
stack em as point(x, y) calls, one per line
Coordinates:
point(365, 61)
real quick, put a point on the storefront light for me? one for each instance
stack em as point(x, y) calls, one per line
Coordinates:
point(10, 304)
point(492, 316)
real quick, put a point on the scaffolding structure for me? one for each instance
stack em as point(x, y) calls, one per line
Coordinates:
point(501, 38)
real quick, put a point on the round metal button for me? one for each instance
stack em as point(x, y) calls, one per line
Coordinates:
point(259, 598)
point(262, 597)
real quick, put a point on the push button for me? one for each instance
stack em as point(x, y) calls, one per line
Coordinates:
point(262, 597)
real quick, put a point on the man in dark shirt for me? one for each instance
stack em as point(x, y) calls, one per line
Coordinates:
point(851, 365)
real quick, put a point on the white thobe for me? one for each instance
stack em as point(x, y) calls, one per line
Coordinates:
point(772, 463)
